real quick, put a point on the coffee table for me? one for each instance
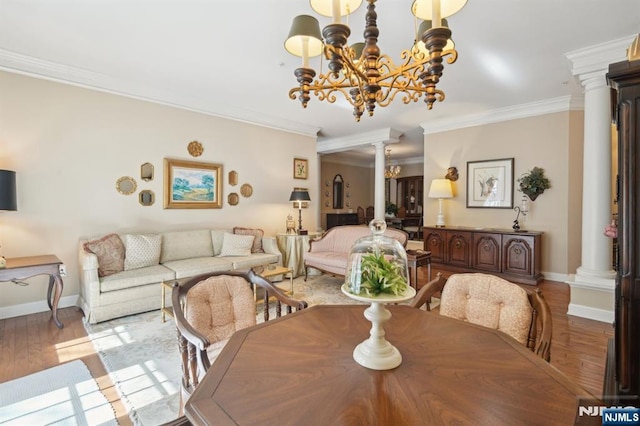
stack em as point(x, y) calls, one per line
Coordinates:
point(275, 270)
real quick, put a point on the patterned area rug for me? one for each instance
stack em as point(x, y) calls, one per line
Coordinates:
point(141, 354)
point(63, 395)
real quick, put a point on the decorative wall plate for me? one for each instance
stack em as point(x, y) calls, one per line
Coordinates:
point(233, 178)
point(246, 190)
point(233, 199)
point(195, 148)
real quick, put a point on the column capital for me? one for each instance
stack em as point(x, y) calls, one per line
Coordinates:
point(596, 59)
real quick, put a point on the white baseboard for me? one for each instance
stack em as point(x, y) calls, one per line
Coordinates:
point(554, 276)
point(588, 312)
point(35, 307)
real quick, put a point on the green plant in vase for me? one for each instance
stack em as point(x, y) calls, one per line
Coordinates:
point(533, 183)
point(379, 275)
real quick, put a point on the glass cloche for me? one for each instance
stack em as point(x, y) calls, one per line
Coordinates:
point(377, 265)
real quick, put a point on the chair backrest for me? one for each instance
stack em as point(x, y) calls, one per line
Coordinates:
point(209, 308)
point(492, 302)
point(361, 219)
point(369, 212)
point(402, 212)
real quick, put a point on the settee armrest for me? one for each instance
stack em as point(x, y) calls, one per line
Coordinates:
point(89, 279)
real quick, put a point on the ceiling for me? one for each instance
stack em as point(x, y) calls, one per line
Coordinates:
point(226, 57)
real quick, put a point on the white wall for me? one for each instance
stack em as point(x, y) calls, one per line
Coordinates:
point(69, 145)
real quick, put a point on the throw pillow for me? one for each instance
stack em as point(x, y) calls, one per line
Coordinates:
point(110, 253)
point(142, 250)
point(257, 240)
point(236, 245)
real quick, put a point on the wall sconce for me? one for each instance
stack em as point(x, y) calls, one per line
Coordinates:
point(452, 174)
point(298, 195)
point(523, 209)
point(440, 189)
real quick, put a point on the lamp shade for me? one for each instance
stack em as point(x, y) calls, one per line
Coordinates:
point(8, 198)
point(304, 37)
point(300, 194)
point(440, 188)
point(341, 7)
point(422, 9)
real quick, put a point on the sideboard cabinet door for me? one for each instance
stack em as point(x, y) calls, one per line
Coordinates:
point(458, 248)
point(434, 241)
point(487, 251)
point(519, 254)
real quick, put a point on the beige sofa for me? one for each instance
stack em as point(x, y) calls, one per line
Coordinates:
point(331, 252)
point(180, 255)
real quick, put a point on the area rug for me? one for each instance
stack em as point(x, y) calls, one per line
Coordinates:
point(63, 395)
point(141, 353)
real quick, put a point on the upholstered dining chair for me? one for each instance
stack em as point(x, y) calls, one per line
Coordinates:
point(368, 214)
point(360, 212)
point(493, 302)
point(209, 308)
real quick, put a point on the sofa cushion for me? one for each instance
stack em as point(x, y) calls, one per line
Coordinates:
point(110, 253)
point(257, 241)
point(136, 277)
point(191, 267)
point(142, 250)
point(177, 245)
point(256, 259)
point(217, 236)
point(236, 245)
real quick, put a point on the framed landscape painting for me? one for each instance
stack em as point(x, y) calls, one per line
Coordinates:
point(192, 185)
point(490, 183)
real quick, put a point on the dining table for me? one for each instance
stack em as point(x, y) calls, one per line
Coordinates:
point(299, 369)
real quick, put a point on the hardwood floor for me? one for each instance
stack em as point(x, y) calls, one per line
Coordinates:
point(32, 343)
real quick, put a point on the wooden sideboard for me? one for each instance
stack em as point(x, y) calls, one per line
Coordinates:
point(339, 219)
point(514, 256)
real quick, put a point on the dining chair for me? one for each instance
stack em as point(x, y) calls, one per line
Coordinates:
point(369, 212)
point(414, 231)
point(361, 218)
point(210, 307)
point(493, 302)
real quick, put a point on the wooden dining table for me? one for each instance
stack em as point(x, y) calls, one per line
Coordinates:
point(299, 369)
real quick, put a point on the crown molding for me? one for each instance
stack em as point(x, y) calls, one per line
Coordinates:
point(597, 58)
point(386, 135)
point(532, 109)
point(38, 68)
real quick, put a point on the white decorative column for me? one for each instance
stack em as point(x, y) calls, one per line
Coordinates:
point(593, 284)
point(378, 178)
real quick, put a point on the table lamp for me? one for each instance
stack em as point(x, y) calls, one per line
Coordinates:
point(8, 199)
point(298, 195)
point(440, 189)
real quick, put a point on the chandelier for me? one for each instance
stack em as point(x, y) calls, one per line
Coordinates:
point(390, 172)
point(363, 75)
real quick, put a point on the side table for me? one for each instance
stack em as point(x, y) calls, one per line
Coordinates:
point(274, 271)
point(21, 268)
point(293, 247)
point(415, 259)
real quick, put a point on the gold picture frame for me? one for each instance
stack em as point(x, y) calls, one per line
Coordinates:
point(192, 185)
point(300, 168)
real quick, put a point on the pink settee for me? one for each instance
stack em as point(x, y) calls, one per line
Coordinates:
point(331, 252)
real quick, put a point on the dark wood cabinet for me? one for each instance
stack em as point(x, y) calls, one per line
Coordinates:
point(514, 256)
point(410, 194)
point(339, 219)
point(623, 383)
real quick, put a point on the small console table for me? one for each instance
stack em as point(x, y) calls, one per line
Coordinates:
point(21, 268)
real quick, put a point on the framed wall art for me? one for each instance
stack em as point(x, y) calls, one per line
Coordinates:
point(300, 168)
point(192, 185)
point(490, 183)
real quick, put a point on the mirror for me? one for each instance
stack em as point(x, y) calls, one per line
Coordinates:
point(147, 197)
point(338, 184)
point(146, 172)
point(126, 185)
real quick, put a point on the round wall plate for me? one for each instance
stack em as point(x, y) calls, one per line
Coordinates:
point(233, 199)
point(246, 190)
point(195, 148)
